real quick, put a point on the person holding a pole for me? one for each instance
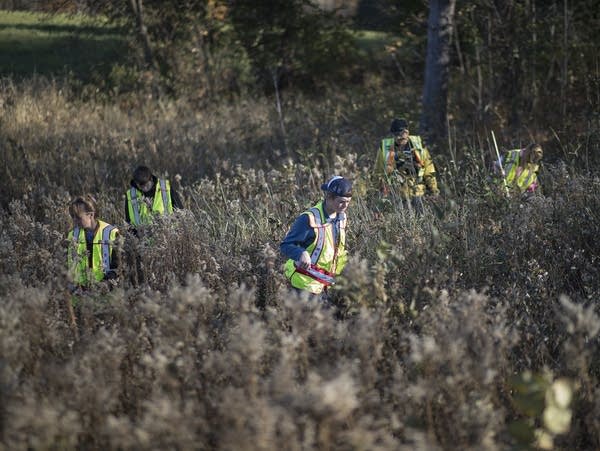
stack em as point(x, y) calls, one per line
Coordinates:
point(519, 169)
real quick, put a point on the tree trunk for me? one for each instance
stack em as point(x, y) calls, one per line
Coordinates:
point(564, 82)
point(435, 91)
point(138, 10)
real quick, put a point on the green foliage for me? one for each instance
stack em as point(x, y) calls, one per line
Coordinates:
point(293, 40)
point(540, 399)
point(524, 65)
point(184, 48)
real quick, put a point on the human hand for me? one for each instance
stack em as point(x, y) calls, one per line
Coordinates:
point(76, 290)
point(409, 168)
point(304, 261)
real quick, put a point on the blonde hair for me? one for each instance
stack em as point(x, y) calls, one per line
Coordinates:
point(531, 152)
point(82, 204)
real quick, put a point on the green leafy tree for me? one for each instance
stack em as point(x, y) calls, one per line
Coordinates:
point(292, 41)
point(181, 43)
point(527, 64)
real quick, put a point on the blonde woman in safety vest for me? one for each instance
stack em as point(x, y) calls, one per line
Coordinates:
point(316, 242)
point(520, 169)
point(91, 254)
point(404, 164)
point(148, 196)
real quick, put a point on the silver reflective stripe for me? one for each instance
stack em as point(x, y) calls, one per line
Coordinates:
point(105, 243)
point(511, 160)
point(75, 248)
point(135, 205)
point(336, 232)
point(386, 147)
point(416, 142)
point(165, 195)
point(316, 253)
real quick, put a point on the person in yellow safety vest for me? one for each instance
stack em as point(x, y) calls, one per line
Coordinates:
point(91, 255)
point(520, 167)
point(147, 196)
point(404, 164)
point(316, 242)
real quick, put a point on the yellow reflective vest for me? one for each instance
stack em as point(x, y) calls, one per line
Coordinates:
point(327, 253)
point(78, 258)
point(139, 213)
point(521, 177)
point(410, 184)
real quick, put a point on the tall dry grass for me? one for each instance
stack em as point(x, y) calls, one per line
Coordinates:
point(202, 345)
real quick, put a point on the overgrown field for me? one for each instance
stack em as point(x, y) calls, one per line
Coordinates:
point(451, 330)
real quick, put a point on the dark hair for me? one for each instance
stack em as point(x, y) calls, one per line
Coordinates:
point(398, 125)
point(142, 174)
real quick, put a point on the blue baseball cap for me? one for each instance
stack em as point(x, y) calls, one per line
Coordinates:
point(339, 186)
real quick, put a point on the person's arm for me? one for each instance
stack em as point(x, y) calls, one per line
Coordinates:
point(300, 236)
point(127, 218)
point(176, 200)
point(379, 164)
point(429, 173)
point(499, 165)
point(112, 274)
point(381, 170)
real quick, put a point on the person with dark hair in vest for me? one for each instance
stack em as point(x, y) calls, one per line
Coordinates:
point(148, 196)
point(316, 242)
point(404, 165)
point(91, 255)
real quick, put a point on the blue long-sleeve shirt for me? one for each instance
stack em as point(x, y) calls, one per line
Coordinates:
point(301, 235)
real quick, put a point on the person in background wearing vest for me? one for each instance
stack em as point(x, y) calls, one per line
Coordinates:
point(316, 242)
point(147, 196)
point(403, 164)
point(519, 169)
point(91, 255)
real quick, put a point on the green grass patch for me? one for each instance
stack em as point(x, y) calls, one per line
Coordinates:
point(55, 45)
point(374, 42)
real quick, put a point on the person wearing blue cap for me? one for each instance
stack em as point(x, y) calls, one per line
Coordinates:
point(316, 242)
point(404, 164)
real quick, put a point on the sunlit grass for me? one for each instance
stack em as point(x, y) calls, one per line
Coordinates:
point(373, 41)
point(58, 45)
